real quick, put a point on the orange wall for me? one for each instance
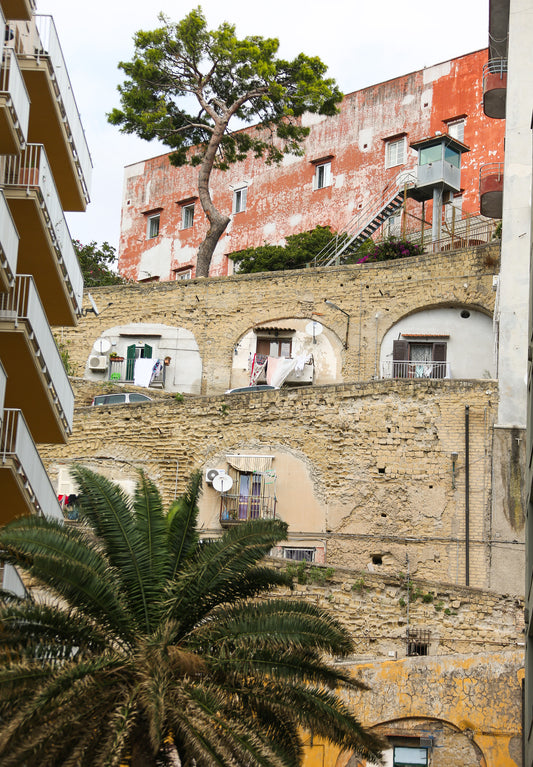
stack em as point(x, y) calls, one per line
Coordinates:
point(281, 199)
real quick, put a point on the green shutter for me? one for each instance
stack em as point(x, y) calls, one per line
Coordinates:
point(147, 352)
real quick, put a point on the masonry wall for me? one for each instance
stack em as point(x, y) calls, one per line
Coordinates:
point(377, 456)
point(283, 200)
point(219, 312)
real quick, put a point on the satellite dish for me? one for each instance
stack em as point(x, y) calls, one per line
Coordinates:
point(314, 329)
point(223, 483)
point(102, 346)
point(93, 304)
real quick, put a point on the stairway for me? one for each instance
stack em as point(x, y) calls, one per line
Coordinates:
point(368, 220)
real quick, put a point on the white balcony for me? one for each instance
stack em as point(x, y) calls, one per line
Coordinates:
point(9, 245)
point(36, 379)
point(26, 487)
point(14, 105)
point(414, 369)
point(54, 116)
point(45, 250)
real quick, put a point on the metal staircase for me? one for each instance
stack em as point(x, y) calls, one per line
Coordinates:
point(367, 221)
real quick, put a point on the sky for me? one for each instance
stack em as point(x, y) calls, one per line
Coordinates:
point(361, 43)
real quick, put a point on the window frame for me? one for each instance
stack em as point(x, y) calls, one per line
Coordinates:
point(452, 126)
point(273, 340)
point(323, 176)
point(395, 161)
point(240, 196)
point(187, 212)
point(150, 222)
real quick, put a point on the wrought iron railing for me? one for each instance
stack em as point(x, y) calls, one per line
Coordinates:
point(16, 444)
point(31, 171)
point(413, 369)
point(241, 508)
point(494, 67)
point(23, 305)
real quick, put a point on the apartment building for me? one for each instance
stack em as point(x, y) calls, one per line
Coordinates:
point(45, 169)
point(354, 167)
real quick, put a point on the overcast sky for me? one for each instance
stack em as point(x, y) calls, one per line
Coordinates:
point(362, 44)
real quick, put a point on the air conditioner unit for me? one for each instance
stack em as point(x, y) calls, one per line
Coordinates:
point(211, 474)
point(98, 362)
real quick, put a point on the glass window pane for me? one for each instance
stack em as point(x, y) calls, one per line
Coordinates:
point(285, 349)
point(430, 154)
point(452, 156)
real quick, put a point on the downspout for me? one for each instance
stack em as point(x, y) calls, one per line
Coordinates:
point(467, 495)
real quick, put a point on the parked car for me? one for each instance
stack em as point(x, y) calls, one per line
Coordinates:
point(250, 389)
point(120, 399)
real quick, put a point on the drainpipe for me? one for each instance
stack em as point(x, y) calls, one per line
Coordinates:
point(467, 495)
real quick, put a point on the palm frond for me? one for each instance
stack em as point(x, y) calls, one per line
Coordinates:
point(181, 520)
point(109, 512)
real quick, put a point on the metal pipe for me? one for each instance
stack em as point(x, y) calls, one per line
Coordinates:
point(467, 495)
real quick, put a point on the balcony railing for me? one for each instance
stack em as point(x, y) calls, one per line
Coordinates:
point(16, 445)
point(241, 508)
point(124, 370)
point(9, 242)
point(23, 305)
point(495, 88)
point(413, 369)
point(3, 382)
point(13, 88)
point(31, 171)
point(10, 580)
point(491, 189)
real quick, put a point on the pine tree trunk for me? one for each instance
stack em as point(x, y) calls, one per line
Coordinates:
point(217, 221)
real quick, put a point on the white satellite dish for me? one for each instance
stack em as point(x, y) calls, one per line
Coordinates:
point(223, 483)
point(101, 346)
point(314, 329)
point(93, 304)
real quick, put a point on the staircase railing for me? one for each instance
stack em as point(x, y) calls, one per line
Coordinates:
point(364, 218)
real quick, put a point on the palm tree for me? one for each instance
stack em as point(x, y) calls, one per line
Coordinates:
point(139, 644)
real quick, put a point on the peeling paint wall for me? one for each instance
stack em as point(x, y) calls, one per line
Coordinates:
point(282, 199)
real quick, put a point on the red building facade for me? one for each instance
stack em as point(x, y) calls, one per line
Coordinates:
point(348, 159)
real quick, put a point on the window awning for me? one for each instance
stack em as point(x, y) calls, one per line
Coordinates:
point(257, 463)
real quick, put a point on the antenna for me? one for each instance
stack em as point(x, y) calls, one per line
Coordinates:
point(94, 309)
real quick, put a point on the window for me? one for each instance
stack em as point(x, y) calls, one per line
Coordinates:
point(299, 555)
point(239, 199)
point(135, 352)
point(152, 229)
point(456, 129)
point(395, 152)
point(187, 216)
point(181, 274)
point(322, 176)
point(394, 225)
point(410, 756)
point(252, 496)
point(274, 347)
point(418, 642)
point(419, 359)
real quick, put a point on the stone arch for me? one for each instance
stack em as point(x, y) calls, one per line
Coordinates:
point(446, 743)
point(175, 345)
point(466, 330)
point(326, 349)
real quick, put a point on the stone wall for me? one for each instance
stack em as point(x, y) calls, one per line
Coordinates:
point(377, 455)
point(218, 312)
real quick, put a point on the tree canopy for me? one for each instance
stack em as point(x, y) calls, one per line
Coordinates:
point(95, 261)
point(233, 81)
point(141, 644)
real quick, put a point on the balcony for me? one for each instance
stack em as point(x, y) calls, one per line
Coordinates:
point(121, 369)
point(45, 249)
point(54, 117)
point(18, 9)
point(495, 88)
point(26, 488)
point(242, 508)
point(36, 379)
point(491, 189)
point(14, 106)
point(9, 244)
point(410, 369)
